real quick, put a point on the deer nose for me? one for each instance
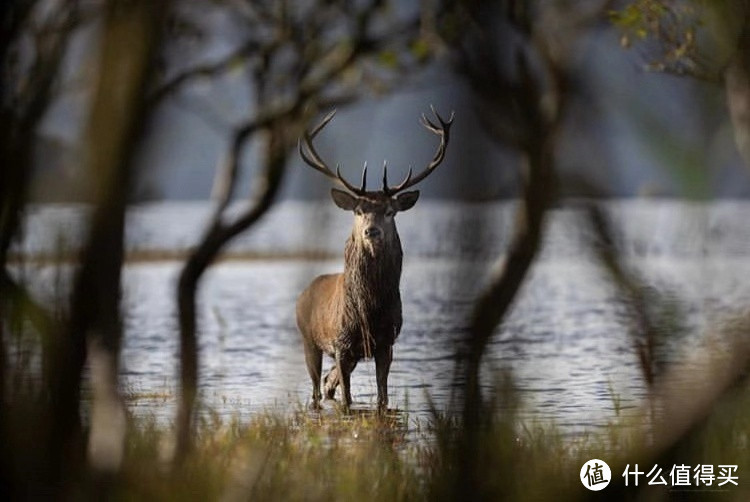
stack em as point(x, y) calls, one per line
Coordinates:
point(372, 232)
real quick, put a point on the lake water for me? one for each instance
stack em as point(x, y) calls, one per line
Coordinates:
point(566, 339)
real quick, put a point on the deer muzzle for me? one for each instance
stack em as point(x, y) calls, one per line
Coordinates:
point(373, 233)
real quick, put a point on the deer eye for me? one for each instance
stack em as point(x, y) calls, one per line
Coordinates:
point(389, 213)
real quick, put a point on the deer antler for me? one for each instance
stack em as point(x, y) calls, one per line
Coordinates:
point(442, 130)
point(312, 158)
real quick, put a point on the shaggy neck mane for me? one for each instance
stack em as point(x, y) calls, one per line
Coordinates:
point(371, 285)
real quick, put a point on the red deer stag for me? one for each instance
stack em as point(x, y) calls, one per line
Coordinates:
point(357, 314)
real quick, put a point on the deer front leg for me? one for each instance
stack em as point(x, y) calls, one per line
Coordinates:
point(344, 373)
point(314, 360)
point(383, 358)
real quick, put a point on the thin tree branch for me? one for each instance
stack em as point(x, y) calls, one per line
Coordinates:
point(246, 51)
point(267, 185)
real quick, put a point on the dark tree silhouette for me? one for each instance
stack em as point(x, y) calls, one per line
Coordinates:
point(50, 461)
point(519, 78)
point(27, 86)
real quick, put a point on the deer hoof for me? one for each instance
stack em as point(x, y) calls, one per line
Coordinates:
point(345, 408)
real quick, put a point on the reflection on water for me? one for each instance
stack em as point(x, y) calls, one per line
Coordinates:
point(566, 339)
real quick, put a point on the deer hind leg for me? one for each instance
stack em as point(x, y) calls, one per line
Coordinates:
point(330, 382)
point(314, 360)
point(383, 358)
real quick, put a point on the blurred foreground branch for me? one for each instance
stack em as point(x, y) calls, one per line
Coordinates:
point(644, 335)
point(524, 112)
point(688, 396)
point(129, 42)
point(518, 73)
point(25, 95)
point(29, 67)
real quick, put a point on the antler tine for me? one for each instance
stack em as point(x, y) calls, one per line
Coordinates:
point(364, 178)
point(346, 184)
point(392, 190)
point(313, 159)
point(322, 124)
point(442, 130)
point(428, 124)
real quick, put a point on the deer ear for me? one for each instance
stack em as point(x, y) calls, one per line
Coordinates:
point(344, 200)
point(407, 200)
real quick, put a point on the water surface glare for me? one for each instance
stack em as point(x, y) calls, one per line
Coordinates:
point(566, 340)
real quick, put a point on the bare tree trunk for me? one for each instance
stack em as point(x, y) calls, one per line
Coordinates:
point(20, 112)
point(524, 111)
point(266, 187)
point(21, 109)
point(493, 304)
point(115, 126)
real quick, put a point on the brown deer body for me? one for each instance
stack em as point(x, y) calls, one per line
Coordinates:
point(357, 314)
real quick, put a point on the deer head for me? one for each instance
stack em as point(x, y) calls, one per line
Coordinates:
point(374, 211)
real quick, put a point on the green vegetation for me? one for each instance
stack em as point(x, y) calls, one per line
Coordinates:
point(331, 456)
point(302, 457)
